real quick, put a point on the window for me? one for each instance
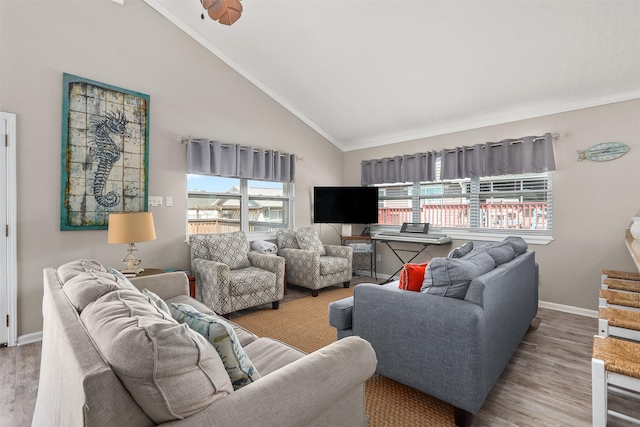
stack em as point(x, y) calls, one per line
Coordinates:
point(508, 202)
point(220, 205)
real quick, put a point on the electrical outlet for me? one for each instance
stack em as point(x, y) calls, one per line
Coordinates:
point(378, 258)
point(155, 200)
point(169, 201)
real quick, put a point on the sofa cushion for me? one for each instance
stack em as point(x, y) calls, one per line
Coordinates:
point(450, 277)
point(230, 249)
point(87, 287)
point(169, 370)
point(287, 239)
point(219, 333)
point(309, 240)
point(331, 264)
point(73, 268)
point(461, 251)
point(412, 276)
point(501, 252)
point(517, 243)
point(157, 301)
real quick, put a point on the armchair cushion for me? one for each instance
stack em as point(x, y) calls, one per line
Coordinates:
point(329, 265)
point(450, 277)
point(309, 240)
point(230, 249)
point(221, 334)
point(250, 280)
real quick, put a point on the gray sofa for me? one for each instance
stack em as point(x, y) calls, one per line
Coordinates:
point(451, 348)
point(91, 378)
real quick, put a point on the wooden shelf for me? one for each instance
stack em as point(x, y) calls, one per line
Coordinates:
point(633, 244)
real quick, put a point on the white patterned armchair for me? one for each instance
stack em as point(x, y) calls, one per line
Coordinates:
point(311, 264)
point(229, 277)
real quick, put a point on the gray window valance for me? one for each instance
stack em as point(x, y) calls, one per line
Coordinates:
point(531, 154)
point(236, 161)
point(405, 168)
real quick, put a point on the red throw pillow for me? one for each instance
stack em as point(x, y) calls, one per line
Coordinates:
point(411, 276)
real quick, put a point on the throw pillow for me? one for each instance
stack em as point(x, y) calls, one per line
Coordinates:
point(501, 252)
point(309, 240)
point(87, 287)
point(461, 251)
point(412, 276)
point(170, 371)
point(230, 249)
point(450, 277)
point(517, 243)
point(158, 302)
point(221, 334)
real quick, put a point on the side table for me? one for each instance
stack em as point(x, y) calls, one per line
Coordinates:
point(152, 271)
point(365, 247)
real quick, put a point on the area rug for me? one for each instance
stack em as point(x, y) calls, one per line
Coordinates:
point(303, 323)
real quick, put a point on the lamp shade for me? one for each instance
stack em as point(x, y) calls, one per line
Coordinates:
point(131, 227)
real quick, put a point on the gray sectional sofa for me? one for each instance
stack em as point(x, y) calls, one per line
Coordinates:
point(453, 339)
point(112, 356)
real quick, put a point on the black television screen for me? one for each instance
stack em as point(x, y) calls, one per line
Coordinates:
point(345, 205)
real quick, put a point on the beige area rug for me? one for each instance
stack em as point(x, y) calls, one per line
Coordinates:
point(303, 324)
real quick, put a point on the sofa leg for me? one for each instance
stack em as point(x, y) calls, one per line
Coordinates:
point(462, 418)
point(275, 305)
point(346, 284)
point(314, 293)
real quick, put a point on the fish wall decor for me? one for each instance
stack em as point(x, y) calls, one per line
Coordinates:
point(603, 152)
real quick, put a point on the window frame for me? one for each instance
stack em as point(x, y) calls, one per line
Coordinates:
point(542, 237)
point(244, 197)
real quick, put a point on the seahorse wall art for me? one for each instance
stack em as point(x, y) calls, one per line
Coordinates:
point(106, 153)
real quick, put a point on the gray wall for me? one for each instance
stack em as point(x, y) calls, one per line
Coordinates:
point(593, 202)
point(192, 93)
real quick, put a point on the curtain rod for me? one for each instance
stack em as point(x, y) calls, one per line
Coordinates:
point(189, 140)
point(554, 136)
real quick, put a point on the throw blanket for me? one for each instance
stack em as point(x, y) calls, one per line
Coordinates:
point(264, 247)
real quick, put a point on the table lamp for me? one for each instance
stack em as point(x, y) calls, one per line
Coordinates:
point(130, 228)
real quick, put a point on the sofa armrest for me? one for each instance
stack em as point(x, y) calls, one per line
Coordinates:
point(165, 285)
point(298, 394)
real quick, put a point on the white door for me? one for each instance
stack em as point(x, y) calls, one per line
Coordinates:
point(8, 238)
point(4, 278)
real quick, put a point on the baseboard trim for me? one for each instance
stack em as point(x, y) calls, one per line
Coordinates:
point(568, 309)
point(29, 338)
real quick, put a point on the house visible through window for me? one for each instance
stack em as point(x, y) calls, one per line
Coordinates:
point(218, 205)
point(507, 202)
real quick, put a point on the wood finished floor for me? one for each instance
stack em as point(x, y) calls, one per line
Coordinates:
point(547, 382)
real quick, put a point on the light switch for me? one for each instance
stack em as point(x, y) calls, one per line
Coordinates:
point(155, 200)
point(169, 201)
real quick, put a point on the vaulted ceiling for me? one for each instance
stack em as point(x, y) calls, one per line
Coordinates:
point(368, 73)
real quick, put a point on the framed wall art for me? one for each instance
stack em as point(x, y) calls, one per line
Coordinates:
point(105, 153)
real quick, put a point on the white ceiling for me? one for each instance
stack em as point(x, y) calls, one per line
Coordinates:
point(368, 73)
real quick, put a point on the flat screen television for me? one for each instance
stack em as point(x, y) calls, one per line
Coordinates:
point(345, 205)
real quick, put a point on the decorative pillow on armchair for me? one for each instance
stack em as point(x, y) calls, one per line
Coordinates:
point(221, 334)
point(230, 249)
point(412, 276)
point(309, 240)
